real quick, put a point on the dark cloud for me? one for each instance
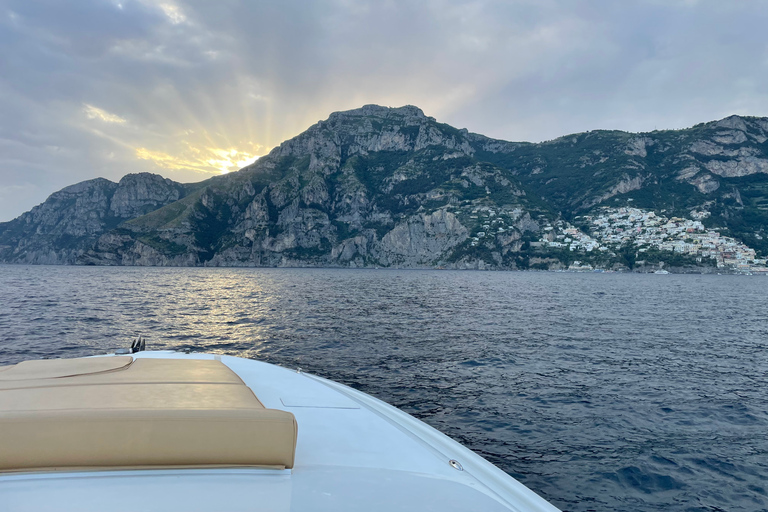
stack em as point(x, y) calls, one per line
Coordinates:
point(185, 87)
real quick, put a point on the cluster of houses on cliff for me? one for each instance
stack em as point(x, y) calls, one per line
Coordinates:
point(492, 222)
point(611, 228)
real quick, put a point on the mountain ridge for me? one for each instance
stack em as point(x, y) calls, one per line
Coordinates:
point(392, 187)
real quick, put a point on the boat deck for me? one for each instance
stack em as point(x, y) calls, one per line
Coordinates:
point(353, 452)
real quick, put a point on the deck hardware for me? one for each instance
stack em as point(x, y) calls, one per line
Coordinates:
point(138, 345)
point(456, 464)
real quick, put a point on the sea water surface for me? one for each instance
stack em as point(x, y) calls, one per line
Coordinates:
point(609, 392)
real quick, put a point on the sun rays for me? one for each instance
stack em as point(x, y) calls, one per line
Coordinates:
point(164, 145)
point(207, 160)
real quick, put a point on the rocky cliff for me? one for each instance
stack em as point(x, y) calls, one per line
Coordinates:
point(392, 187)
point(71, 220)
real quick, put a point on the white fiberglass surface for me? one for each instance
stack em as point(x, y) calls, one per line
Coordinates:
point(313, 488)
point(337, 431)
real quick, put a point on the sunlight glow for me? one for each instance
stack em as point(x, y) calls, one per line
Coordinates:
point(174, 13)
point(230, 159)
point(200, 159)
point(96, 113)
point(191, 137)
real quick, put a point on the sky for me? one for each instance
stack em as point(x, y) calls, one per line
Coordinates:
point(194, 88)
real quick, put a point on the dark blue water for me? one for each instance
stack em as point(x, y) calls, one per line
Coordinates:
point(606, 392)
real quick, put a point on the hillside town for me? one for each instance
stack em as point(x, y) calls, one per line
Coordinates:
point(612, 228)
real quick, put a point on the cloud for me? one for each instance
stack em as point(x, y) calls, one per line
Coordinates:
point(105, 87)
point(174, 13)
point(96, 113)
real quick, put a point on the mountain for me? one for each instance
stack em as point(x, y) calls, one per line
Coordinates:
point(720, 167)
point(71, 220)
point(392, 187)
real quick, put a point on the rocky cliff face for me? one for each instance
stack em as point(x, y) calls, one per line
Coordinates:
point(392, 187)
point(68, 223)
point(581, 170)
point(139, 194)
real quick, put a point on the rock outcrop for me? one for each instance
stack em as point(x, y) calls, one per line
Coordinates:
point(139, 194)
point(69, 222)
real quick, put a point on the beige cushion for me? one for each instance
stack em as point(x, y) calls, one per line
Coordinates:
point(124, 438)
point(147, 413)
point(137, 396)
point(54, 368)
point(145, 370)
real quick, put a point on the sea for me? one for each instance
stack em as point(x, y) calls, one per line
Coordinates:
point(599, 391)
